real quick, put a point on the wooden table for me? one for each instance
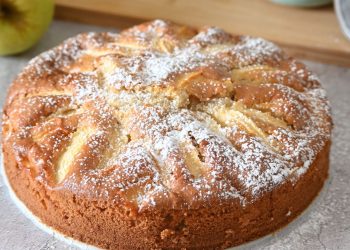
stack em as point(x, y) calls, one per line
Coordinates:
point(305, 33)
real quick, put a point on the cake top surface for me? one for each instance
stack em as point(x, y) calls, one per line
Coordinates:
point(166, 115)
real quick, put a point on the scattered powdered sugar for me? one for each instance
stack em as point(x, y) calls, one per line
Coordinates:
point(155, 68)
point(54, 59)
point(212, 35)
point(254, 50)
point(166, 145)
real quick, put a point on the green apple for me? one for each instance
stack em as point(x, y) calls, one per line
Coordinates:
point(22, 23)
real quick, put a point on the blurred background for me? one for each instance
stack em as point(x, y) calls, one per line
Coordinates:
point(308, 29)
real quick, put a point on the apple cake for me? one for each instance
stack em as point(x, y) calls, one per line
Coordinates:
point(166, 137)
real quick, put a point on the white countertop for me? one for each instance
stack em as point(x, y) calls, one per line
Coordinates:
point(325, 225)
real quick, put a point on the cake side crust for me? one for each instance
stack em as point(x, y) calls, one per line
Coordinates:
point(109, 226)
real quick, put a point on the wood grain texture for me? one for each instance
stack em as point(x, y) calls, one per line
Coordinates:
point(307, 33)
point(95, 18)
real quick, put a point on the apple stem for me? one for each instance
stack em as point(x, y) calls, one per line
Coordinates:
point(6, 10)
point(2, 9)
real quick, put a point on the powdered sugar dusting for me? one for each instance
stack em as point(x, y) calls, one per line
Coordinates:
point(151, 133)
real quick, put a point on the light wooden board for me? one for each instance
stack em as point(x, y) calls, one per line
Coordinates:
point(306, 33)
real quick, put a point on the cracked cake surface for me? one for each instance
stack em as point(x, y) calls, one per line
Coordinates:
point(166, 123)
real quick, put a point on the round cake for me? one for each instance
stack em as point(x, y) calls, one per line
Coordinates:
point(166, 137)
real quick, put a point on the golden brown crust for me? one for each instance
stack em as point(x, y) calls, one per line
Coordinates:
point(164, 136)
